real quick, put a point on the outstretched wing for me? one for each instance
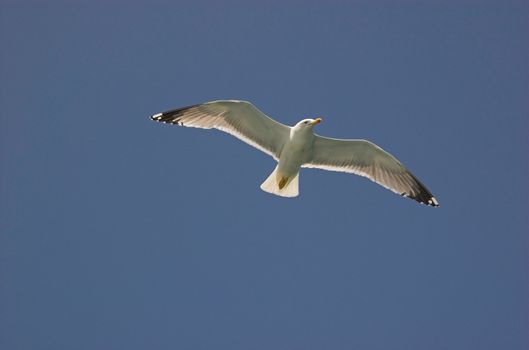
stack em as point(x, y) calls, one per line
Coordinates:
point(238, 118)
point(366, 159)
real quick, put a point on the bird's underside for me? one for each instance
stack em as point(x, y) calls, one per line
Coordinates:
point(242, 120)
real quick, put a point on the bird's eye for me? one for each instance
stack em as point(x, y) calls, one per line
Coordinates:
point(305, 122)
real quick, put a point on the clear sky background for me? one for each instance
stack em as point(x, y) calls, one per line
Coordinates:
point(121, 233)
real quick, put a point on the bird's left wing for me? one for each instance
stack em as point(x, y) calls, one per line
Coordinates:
point(238, 118)
point(366, 159)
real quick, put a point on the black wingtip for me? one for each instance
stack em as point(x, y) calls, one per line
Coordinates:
point(422, 194)
point(428, 200)
point(156, 116)
point(172, 116)
point(432, 202)
point(425, 197)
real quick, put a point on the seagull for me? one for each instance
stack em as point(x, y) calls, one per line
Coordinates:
point(299, 147)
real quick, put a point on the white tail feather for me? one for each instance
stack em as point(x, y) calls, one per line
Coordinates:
point(271, 185)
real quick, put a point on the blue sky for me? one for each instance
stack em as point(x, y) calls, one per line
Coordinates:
point(118, 232)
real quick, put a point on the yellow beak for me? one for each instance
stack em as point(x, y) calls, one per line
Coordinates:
point(316, 121)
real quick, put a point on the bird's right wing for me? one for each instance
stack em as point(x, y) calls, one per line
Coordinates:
point(366, 159)
point(238, 118)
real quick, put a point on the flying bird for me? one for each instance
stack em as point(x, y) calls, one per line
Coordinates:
point(299, 147)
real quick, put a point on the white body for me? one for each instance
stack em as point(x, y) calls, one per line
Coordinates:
point(296, 152)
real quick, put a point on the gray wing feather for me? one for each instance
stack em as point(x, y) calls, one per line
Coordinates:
point(238, 118)
point(366, 159)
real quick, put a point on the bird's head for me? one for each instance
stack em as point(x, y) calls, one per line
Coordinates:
point(307, 123)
